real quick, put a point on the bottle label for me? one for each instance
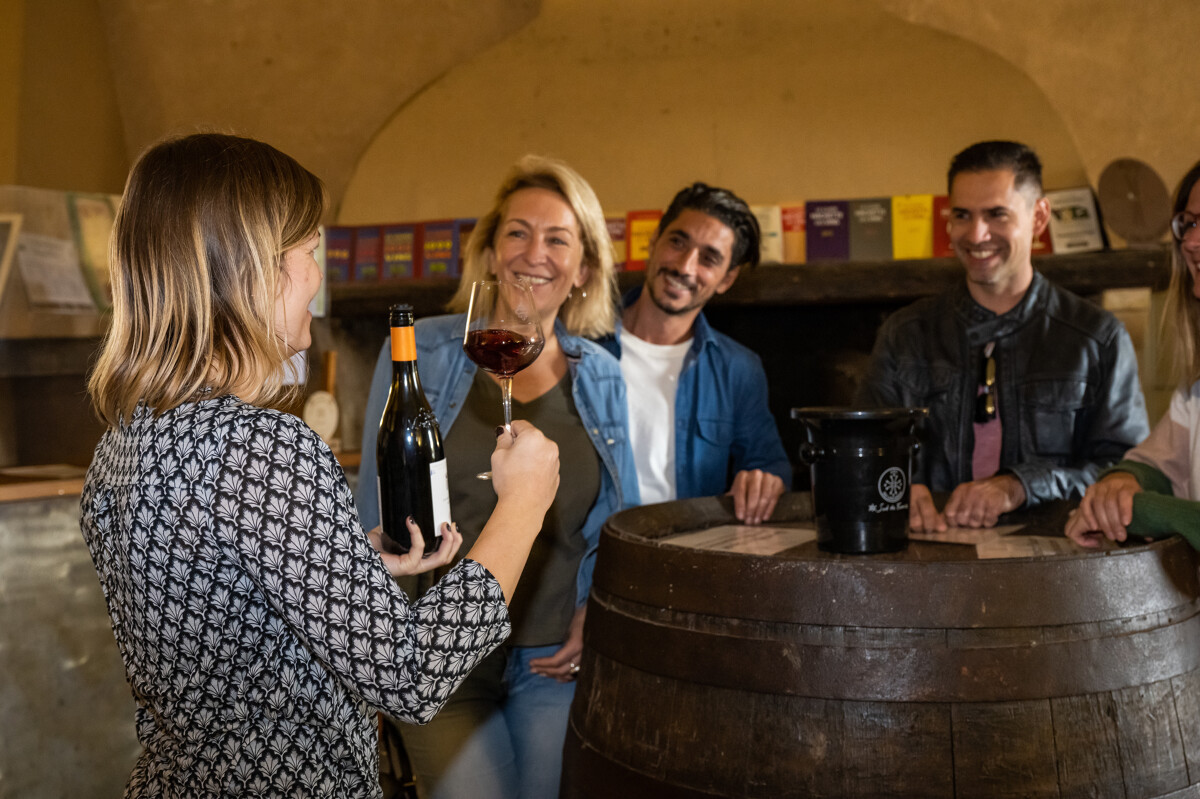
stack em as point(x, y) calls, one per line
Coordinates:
point(439, 490)
point(404, 344)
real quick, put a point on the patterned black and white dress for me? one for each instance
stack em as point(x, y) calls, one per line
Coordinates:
point(257, 625)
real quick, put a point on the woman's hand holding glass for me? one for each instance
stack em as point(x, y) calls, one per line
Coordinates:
point(525, 467)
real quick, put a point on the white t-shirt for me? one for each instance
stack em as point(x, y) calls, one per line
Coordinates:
point(651, 374)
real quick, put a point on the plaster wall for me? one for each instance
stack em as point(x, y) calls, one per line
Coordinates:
point(69, 133)
point(780, 100)
point(11, 39)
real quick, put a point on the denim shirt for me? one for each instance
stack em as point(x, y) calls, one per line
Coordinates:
point(446, 376)
point(722, 422)
point(1066, 379)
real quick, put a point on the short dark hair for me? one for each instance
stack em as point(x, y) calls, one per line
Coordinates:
point(726, 207)
point(985, 156)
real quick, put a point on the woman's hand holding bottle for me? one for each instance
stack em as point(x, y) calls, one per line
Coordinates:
point(413, 562)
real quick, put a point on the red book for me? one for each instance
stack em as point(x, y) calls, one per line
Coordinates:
point(792, 217)
point(639, 229)
point(367, 251)
point(941, 230)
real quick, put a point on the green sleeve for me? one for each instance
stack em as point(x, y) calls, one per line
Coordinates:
point(1149, 478)
point(1160, 515)
point(1157, 512)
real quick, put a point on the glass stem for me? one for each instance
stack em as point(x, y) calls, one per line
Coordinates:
point(506, 398)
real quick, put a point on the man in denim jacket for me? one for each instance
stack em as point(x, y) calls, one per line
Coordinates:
point(698, 399)
point(1031, 390)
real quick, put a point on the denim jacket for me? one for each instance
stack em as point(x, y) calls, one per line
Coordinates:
point(722, 422)
point(1067, 386)
point(446, 376)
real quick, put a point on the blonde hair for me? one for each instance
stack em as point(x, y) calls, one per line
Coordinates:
point(590, 312)
point(196, 262)
point(1181, 312)
point(1181, 321)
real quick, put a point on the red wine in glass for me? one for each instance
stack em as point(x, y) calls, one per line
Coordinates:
point(501, 352)
point(502, 334)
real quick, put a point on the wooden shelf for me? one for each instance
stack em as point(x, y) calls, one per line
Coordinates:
point(47, 357)
point(822, 283)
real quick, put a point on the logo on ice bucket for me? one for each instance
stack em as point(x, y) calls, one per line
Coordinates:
point(891, 484)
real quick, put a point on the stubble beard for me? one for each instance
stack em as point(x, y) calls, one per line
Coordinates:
point(687, 307)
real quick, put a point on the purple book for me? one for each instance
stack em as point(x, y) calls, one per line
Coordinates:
point(828, 223)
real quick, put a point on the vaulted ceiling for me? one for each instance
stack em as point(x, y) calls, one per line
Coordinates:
point(313, 77)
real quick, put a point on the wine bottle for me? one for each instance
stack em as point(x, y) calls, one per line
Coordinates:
point(412, 463)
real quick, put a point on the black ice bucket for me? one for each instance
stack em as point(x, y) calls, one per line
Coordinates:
point(860, 462)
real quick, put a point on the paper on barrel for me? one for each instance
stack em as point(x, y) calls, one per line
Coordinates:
point(745, 539)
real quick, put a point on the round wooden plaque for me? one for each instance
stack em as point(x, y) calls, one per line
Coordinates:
point(1134, 201)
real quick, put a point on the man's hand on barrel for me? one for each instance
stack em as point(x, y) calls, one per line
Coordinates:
point(1105, 511)
point(755, 493)
point(979, 503)
point(923, 516)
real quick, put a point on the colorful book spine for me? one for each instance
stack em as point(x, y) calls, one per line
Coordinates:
point(462, 237)
point(792, 221)
point(339, 247)
point(439, 253)
point(912, 226)
point(871, 229)
point(941, 227)
point(770, 228)
point(639, 230)
point(828, 229)
point(398, 250)
point(616, 232)
point(367, 254)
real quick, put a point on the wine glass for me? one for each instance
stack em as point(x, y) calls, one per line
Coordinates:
point(502, 334)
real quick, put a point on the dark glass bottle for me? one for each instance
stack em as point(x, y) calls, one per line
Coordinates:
point(412, 463)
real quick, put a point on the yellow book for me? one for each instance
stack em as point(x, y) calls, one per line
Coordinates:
point(912, 226)
point(640, 227)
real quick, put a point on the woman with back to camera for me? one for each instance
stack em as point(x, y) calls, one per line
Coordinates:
point(1155, 490)
point(256, 622)
point(501, 734)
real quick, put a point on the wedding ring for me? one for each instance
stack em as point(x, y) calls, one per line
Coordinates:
point(574, 669)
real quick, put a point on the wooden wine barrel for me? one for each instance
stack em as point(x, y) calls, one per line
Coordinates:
point(923, 673)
